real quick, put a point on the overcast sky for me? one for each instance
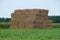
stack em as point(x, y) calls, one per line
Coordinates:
point(8, 6)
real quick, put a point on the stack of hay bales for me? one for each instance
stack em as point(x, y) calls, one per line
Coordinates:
point(30, 18)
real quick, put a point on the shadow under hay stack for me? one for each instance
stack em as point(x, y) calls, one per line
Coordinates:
point(30, 18)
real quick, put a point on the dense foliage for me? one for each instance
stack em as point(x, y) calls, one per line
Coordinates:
point(5, 19)
point(55, 19)
point(4, 25)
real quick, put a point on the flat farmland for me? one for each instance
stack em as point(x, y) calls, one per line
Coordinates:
point(31, 34)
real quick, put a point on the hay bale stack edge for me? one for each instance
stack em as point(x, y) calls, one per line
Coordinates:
point(30, 18)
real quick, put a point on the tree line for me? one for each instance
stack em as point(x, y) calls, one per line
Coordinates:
point(55, 19)
point(5, 19)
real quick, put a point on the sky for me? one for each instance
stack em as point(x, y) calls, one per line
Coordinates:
point(8, 6)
